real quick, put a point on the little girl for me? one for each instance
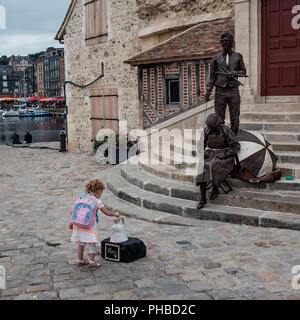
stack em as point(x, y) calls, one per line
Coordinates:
point(88, 237)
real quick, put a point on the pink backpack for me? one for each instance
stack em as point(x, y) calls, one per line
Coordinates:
point(84, 212)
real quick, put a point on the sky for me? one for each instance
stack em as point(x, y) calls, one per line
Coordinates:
point(31, 25)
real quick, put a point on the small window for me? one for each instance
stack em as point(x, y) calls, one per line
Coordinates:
point(173, 95)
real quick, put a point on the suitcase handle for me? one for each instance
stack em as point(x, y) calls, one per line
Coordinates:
point(119, 219)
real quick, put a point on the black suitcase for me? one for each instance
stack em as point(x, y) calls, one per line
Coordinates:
point(128, 251)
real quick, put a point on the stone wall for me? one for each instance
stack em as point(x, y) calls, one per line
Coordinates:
point(83, 65)
point(151, 9)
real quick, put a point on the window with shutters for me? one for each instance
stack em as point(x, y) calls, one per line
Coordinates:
point(95, 21)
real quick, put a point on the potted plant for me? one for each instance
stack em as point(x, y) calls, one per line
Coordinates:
point(115, 148)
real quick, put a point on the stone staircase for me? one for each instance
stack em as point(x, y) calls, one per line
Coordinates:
point(165, 192)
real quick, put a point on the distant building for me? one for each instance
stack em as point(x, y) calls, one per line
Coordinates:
point(53, 72)
point(34, 83)
point(20, 63)
point(29, 82)
point(44, 77)
point(40, 77)
point(11, 82)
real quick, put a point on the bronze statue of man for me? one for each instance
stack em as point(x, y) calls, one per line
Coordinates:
point(227, 66)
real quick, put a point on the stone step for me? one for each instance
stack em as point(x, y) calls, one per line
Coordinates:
point(281, 136)
point(290, 169)
point(270, 116)
point(186, 208)
point(189, 175)
point(287, 169)
point(288, 157)
point(271, 107)
point(267, 200)
point(127, 209)
point(189, 147)
point(288, 161)
point(278, 139)
point(287, 146)
point(271, 126)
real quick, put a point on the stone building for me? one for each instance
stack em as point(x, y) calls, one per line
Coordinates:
point(156, 57)
point(89, 44)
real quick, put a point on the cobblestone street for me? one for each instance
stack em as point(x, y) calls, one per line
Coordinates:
point(212, 261)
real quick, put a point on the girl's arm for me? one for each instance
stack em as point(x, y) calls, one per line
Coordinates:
point(70, 224)
point(110, 213)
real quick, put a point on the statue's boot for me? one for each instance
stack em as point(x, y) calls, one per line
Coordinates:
point(214, 193)
point(203, 200)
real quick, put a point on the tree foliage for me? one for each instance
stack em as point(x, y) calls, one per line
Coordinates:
point(35, 56)
point(4, 61)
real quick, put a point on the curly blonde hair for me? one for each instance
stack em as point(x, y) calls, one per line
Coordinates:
point(94, 186)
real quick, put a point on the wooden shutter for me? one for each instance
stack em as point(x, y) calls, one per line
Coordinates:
point(104, 110)
point(96, 21)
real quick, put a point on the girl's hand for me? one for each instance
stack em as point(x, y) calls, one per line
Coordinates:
point(71, 226)
point(117, 214)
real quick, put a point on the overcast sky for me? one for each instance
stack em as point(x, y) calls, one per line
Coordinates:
point(31, 25)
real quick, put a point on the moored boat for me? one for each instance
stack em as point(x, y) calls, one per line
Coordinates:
point(10, 113)
point(14, 112)
point(35, 113)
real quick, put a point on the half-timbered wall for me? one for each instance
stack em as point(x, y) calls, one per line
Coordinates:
point(154, 89)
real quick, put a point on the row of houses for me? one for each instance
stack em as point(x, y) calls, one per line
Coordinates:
point(157, 54)
point(17, 78)
point(24, 77)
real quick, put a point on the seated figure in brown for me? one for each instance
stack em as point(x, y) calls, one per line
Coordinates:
point(216, 148)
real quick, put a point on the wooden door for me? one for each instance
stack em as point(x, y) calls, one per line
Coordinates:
point(280, 48)
point(104, 110)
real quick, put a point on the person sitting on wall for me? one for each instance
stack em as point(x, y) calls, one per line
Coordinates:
point(3, 138)
point(15, 138)
point(216, 162)
point(27, 137)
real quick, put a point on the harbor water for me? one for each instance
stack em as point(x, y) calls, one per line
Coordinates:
point(42, 129)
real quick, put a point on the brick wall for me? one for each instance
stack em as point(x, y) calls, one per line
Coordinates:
point(194, 84)
point(185, 87)
point(172, 70)
point(192, 76)
point(160, 91)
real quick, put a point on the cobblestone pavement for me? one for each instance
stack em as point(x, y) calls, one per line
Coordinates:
point(214, 261)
